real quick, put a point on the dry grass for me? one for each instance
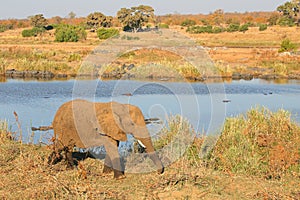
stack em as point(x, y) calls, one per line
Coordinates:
point(253, 52)
point(262, 143)
point(24, 174)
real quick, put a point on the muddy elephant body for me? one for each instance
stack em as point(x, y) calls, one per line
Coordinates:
point(86, 124)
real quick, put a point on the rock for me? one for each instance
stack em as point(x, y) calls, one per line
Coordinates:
point(131, 66)
point(28, 74)
point(238, 76)
point(61, 75)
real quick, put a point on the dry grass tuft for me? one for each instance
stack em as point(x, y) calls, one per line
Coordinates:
point(261, 143)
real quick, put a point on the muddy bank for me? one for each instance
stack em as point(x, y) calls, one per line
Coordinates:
point(124, 73)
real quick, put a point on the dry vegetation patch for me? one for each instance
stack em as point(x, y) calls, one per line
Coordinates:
point(261, 143)
point(25, 174)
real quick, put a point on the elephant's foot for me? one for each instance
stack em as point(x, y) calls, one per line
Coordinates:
point(70, 165)
point(118, 175)
point(161, 170)
point(107, 169)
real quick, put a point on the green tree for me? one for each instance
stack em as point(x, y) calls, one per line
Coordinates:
point(38, 20)
point(135, 18)
point(290, 9)
point(97, 19)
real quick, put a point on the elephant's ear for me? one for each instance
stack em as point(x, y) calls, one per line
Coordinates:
point(111, 127)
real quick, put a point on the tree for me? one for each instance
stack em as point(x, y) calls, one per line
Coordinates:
point(273, 19)
point(56, 20)
point(135, 18)
point(72, 15)
point(38, 21)
point(97, 19)
point(290, 9)
point(217, 17)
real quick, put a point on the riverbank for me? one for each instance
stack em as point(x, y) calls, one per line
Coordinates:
point(228, 175)
point(235, 55)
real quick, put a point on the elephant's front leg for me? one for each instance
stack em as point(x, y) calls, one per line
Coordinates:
point(108, 164)
point(113, 157)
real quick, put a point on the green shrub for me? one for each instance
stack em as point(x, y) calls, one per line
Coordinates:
point(287, 45)
point(105, 33)
point(69, 33)
point(285, 21)
point(217, 29)
point(188, 22)
point(35, 31)
point(163, 26)
point(200, 29)
point(5, 27)
point(244, 28)
point(233, 27)
point(262, 27)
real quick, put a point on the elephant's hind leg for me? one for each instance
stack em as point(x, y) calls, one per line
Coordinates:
point(107, 165)
point(69, 158)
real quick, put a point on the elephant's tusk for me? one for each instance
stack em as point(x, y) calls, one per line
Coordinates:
point(141, 144)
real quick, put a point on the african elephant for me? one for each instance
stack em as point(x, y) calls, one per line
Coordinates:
point(86, 124)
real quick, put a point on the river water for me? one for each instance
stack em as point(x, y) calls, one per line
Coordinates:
point(205, 105)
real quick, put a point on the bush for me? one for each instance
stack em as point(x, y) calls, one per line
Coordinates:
point(200, 29)
point(233, 27)
point(105, 33)
point(35, 31)
point(287, 45)
point(285, 21)
point(69, 33)
point(217, 29)
point(5, 27)
point(163, 26)
point(188, 22)
point(261, 143)
point(244, 28)
point(262, 27)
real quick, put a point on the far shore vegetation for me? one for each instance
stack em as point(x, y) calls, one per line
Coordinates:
point(251, 44)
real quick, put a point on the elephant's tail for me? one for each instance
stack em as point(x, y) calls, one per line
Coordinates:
point(42, 128)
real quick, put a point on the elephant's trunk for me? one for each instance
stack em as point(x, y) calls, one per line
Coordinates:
point(152, 154)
